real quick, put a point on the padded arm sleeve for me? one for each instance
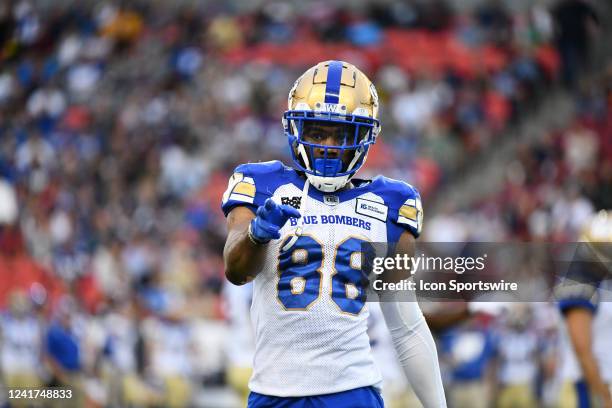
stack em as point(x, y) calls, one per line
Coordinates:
point(416, 350)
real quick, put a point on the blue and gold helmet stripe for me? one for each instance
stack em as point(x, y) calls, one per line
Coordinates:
point(332, 87)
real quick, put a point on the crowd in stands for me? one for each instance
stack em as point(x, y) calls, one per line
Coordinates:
point(553, 184)
point(120, 124)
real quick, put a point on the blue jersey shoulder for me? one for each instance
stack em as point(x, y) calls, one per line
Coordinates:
point(394, 192)
point(404, 204)
point(261, 169)
point(252, 184)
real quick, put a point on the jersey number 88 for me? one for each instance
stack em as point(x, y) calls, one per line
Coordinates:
point(300, 276)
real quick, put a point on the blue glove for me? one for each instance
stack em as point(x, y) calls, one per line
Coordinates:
point(271, 217)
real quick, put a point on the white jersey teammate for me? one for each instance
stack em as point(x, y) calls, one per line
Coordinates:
point(297, 233)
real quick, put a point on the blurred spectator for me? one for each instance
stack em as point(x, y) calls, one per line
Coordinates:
point(21, 335)
point(519, 350)
point(241, 344)
point(169, 346)
point(576, 23)
point(63, 350)
point(495, 20)
point(8, 204)
point(127, 385)
point(468, 350)
point(581, 148)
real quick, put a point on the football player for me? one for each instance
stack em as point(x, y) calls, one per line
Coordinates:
point(585, 300)
point(297, 233)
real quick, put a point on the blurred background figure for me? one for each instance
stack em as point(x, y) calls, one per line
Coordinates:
point(168, 344)
point(123, 355)
point(519, 351)
point(576, 27)
point(63, 350)
point(240, 346)
point(468, 351)
point(21, 344)
point(585, 302)
point(120, 123)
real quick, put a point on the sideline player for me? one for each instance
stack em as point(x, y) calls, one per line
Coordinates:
point(585, 299)
point(297, 233)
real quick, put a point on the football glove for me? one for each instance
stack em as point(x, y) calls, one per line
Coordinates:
point(271, 217)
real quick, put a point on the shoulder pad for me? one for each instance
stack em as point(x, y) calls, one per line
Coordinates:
point(251, 184)
point(262, 168)
point(404, 202)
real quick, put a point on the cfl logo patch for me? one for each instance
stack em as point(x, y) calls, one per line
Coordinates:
point(295, 202)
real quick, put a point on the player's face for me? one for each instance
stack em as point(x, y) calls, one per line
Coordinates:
point(330, 134)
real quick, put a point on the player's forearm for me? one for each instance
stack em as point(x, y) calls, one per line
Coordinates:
point(243, 258)
point(416, 350)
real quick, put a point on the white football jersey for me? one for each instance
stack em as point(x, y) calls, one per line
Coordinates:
point(21, 344)
point(308, 307)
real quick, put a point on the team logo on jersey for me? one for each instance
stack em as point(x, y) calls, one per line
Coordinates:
point(411, 213)
point(371, 208)
point(240, 188)
point(295, 202)
point(331, 200)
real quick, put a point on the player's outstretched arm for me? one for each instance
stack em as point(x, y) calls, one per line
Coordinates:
point(248, 235)
point(413, 341)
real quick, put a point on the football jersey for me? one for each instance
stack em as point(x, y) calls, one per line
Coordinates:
point(518, 350)
point(308, 307)
point(21, 344)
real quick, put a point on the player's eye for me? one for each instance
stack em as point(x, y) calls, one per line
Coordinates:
point(317, 136)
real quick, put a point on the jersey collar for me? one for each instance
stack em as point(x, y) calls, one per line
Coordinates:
point(360, 187)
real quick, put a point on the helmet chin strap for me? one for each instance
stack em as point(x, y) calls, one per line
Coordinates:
point(302, 153)
point(355, 159)
point(328, 184)
point(325, 184)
